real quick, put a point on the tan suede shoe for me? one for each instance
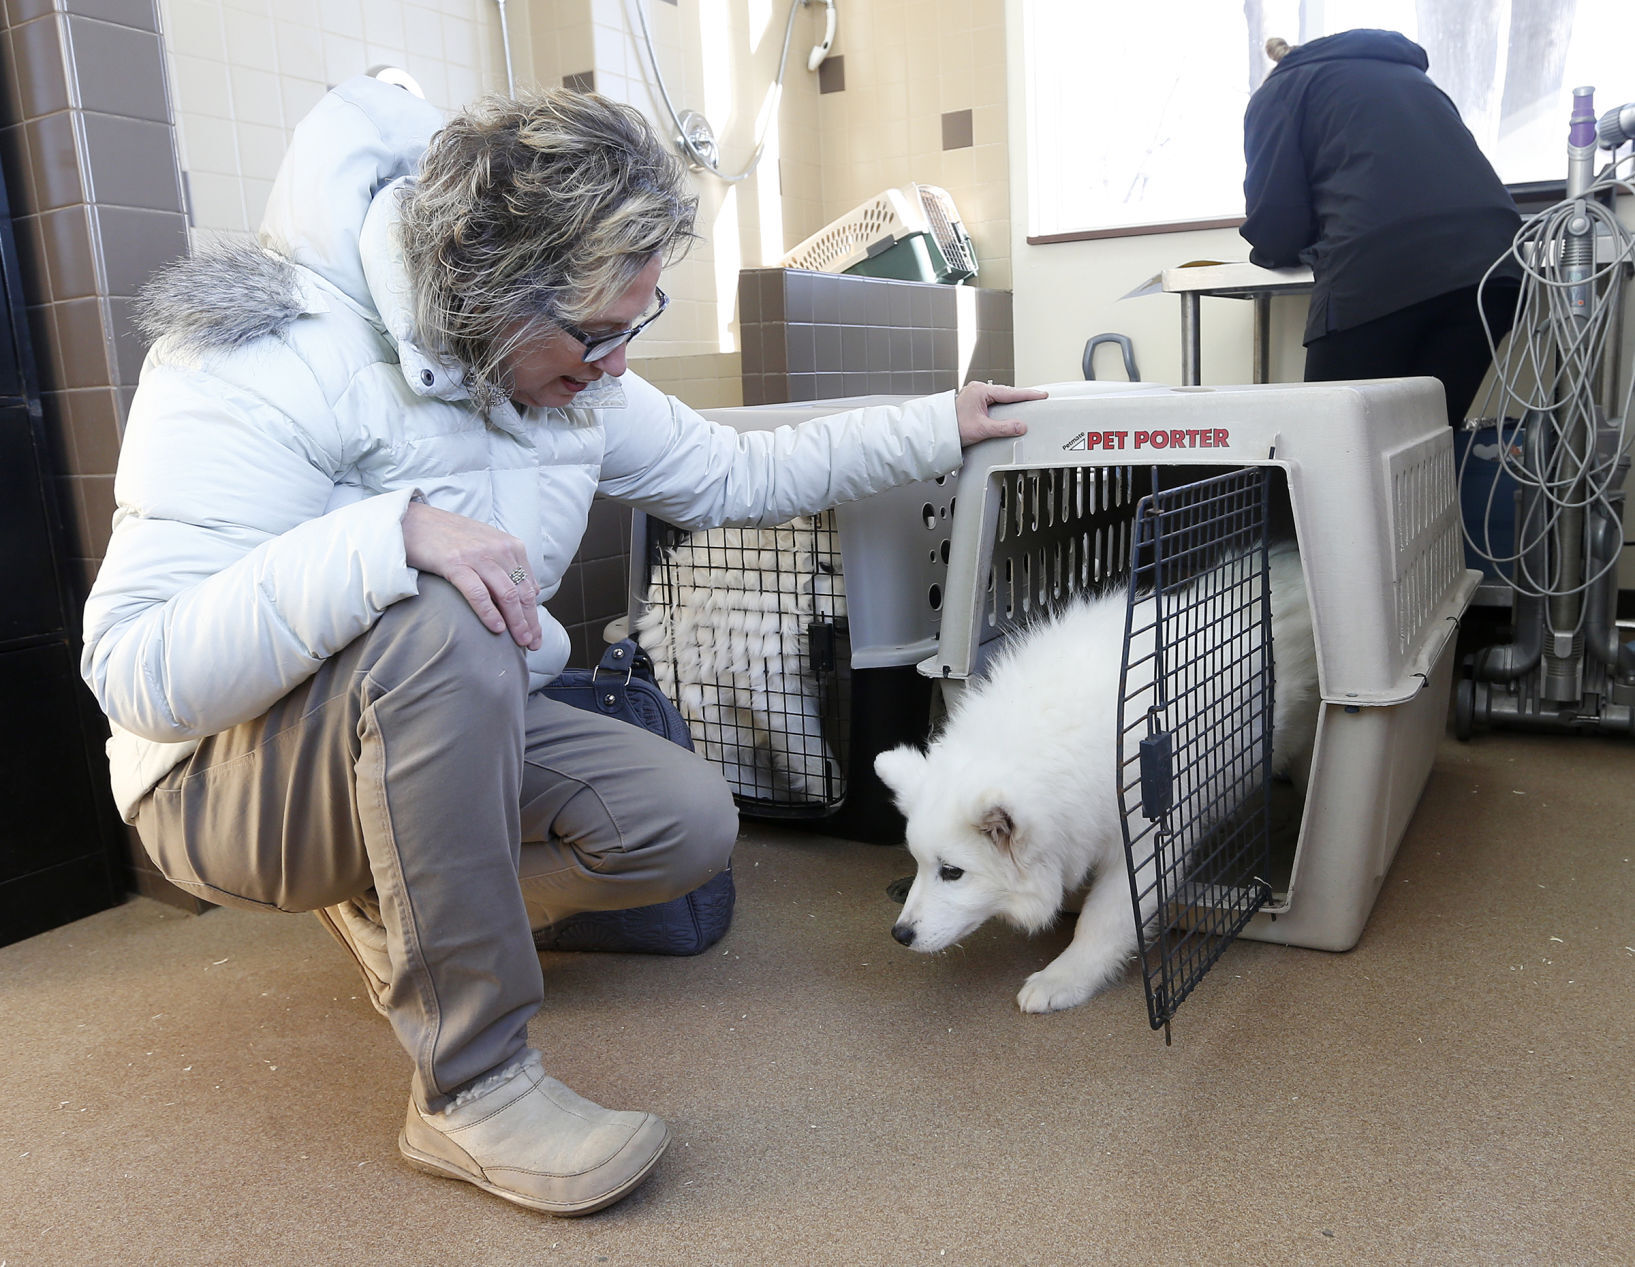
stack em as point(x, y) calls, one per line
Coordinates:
point(524, 1136)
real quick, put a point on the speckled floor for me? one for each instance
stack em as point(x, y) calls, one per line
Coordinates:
point(1456, 1090)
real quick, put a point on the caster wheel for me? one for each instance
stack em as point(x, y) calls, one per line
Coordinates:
point(1464, 710)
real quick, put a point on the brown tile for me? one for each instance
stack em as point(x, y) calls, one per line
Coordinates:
point(90, 416)
point(135, 242)
point(774, 388)
point(956, 130)
point(770, 283)
point(749, 342)
point(832, 74)
point(53, 159)
point(42, 86)
point(131, 162)
point(827, 348)
point(65, 236)
point(130, 348)
point(120, 70)
point(902, 349)
point(20, 11)
point(139, 14)
point(12, 103)
point(31, 260)
point(878, 356)
point(42, 333)
point(925, 306)
point(606, 592)
point(799, 289)
point(922, 350)
point(580, 81)
point(749, 295)
point(568, 603)
point(19, 175)
point(774, 349)
point(98, 492)
point(605, 528)
point(854, 349)
point(826, 290)
point(81, 348)
point(801, 343)
point(900, 305)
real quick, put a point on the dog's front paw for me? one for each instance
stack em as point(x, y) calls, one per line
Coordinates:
point(1051, 990)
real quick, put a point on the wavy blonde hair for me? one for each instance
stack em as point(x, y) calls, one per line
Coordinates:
point(530, 210)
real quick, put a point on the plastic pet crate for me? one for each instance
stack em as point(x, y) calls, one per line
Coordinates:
point(911, 234)
point(810, 635)
point(1368, 469)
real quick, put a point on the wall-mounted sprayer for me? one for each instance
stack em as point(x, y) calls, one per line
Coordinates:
point(820, 50)
point(693, 135)
point(505, 43)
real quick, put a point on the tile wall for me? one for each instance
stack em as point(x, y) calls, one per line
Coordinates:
point(915, 91)
point(244, 73)
point(96, 194)
point(817, 336)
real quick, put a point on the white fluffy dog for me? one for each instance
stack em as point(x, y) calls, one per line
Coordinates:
point(1016, 804)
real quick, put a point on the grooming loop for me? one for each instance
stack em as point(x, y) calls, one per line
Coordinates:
point(1195, 709)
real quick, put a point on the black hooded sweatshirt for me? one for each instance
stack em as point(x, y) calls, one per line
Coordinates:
point(1360, 166)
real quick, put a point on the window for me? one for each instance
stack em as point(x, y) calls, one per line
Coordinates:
point(1135, 112)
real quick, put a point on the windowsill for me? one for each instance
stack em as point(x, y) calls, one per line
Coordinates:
point(1530, 196)
point(1134, 230)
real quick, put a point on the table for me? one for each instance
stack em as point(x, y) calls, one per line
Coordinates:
point(1239, 280)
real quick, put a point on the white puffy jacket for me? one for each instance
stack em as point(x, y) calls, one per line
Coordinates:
point(285, 416)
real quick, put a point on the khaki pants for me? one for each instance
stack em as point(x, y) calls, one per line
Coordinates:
point(413, 777)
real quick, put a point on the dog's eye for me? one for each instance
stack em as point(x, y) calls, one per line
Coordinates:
point(949, 873)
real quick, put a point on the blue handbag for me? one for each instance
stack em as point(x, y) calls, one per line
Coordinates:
point(622, 686)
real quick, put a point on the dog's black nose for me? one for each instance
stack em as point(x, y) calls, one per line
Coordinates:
point(903, 933)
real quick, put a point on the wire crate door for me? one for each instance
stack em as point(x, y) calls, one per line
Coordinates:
point(1195, 710)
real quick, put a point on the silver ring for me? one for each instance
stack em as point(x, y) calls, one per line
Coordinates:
point(518, 575)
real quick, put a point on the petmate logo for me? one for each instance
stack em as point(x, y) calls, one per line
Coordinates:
point(1200, 438)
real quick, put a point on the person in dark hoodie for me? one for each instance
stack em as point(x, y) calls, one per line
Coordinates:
point(1361, 167)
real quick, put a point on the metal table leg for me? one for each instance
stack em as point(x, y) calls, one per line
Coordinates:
point(1191, 362)
point(1263, 341)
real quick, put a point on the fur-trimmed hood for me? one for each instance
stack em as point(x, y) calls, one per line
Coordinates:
point(227, 294)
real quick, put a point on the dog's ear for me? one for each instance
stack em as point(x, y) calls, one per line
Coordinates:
point(902, 770)
point(994, 821)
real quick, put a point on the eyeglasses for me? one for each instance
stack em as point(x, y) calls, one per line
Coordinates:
point(599, 345)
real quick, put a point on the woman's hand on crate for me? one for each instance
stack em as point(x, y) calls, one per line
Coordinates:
point(976, 423)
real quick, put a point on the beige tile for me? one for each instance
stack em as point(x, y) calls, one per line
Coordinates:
point(195, 29)
point(202, 86)
point(344, 56)
point(208, 143)
point(300, 51)
point(256, 96)
point(342, 17)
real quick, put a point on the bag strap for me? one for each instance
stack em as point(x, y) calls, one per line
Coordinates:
point(625, 658)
